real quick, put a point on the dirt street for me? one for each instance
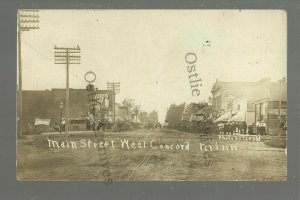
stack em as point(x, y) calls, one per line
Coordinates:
point(180, 158)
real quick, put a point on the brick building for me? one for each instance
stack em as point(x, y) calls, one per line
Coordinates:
point(45, 104)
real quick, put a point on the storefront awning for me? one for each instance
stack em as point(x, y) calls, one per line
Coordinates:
point(224, 117)
point(239, 117)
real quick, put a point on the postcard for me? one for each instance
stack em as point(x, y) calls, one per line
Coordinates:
point(151, 95)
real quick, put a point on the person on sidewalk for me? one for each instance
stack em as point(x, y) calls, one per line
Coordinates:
point(87, 122)
point(231, 128)
point(244, 127)
point(63, 125)
point(263, 127)
point(92, 121)
point(257, 126)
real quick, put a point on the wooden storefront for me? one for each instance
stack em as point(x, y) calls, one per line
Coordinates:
point(268, 111)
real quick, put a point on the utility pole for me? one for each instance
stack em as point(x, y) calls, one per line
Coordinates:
point(67, 56)
point(61, 106)
point(115, 87)
point(27, 20)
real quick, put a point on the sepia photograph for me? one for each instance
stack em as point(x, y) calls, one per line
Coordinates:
point(151, 95)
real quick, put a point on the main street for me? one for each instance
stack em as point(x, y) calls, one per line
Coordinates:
point(146, 154)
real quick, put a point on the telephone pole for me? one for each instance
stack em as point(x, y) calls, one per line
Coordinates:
point(115, 87)
point(27, 20)
point(67, 56)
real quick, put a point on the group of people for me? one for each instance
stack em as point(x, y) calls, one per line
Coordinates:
point(260, 127)
point(90, 122)
point(61, 127)
point(93, 124)
point(229, 128)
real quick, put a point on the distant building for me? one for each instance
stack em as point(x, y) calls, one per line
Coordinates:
point(122, 112)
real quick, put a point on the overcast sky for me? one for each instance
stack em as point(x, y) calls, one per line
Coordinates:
point(145, 50)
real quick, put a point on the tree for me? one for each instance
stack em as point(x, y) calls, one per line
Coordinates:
point(174, 114)
point(143, 117)
point(153, 117)
point(128, 103)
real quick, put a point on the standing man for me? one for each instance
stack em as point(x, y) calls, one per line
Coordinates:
point(244, 125)
point(257, 126)
point(263, 127)
point(92, 121)
point(63, 125)
point(225, 128)
point(231, 127)
point(87, 122)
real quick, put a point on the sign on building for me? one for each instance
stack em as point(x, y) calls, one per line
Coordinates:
point(42, 122)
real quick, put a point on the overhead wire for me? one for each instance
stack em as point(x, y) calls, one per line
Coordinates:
point(51, 60)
